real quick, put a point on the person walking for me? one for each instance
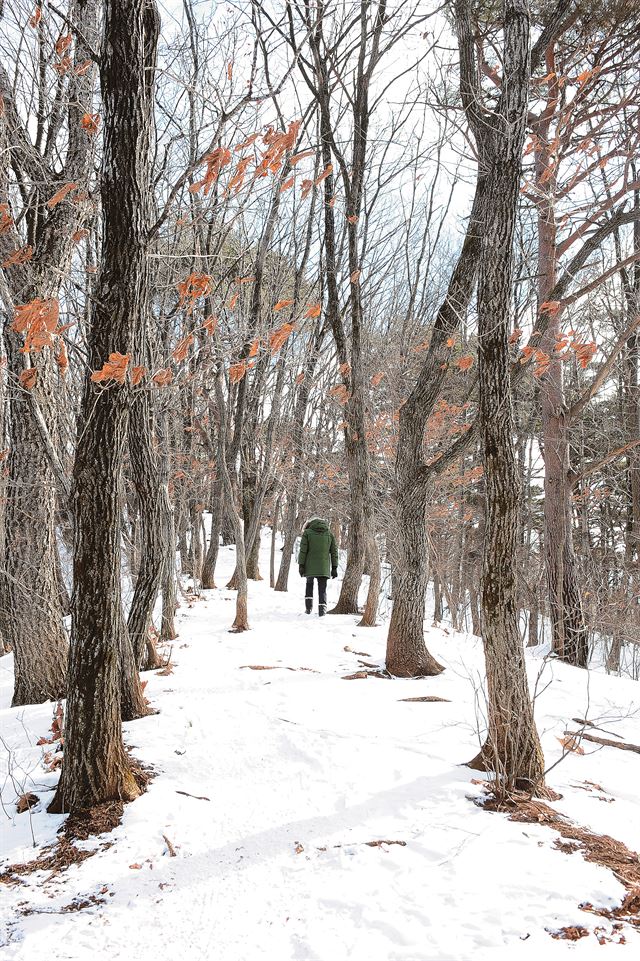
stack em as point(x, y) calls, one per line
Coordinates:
point(317, 558)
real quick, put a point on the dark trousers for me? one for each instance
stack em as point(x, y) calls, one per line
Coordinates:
point(322, 592)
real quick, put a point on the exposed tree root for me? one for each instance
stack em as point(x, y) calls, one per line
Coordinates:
point(596, 848)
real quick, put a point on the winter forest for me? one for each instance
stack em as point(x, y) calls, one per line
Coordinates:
point(307, 308)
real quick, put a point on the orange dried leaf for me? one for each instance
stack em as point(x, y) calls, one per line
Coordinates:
point(37, 320)
point(253, 350)
point(210, 325)
point(163, 377)
point(355, 276)
point(340, 393)
point(299, 378)
point(246, 143)
point(314, 310)
point(287, 184)
point(237, 372)
point(570, 744)
point(515, 336)
point(36, 18)
point(62, 359)
point(233, 301)
point(345, 369)
point(550, 306)
point(90, 123)
point(464, 363)
point(238, 178)
point(28, 378)
point(79, 235)
point(353, 219)
point(278, 337)
point(137, 373)
point(62, 65)
point(63, 43)
point(83, 68)
point(60, 194)
point(297, 157)
point(113, 369)
point(6, 220)
point(376, 379)
point(328, 170)
point(194, 286)
point(230, 70)
point(181, 350)
point(282, 303)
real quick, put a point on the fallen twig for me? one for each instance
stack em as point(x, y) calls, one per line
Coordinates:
point(605, 741)
point(170, 847)
point(198, 797)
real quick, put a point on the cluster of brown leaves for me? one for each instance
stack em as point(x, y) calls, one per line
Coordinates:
point(278, 337)
point(216, 161)
point(113, 369)
point(192, 288)
point(90, 123)
point(6, 220)
point(38, 321)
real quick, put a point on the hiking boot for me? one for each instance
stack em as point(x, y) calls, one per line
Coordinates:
point(308, 605)
point(322, 610)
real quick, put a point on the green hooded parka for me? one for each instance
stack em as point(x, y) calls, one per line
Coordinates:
point(318, 549)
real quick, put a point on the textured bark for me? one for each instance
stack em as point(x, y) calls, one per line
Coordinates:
point(241, 620)
point(30, 604)
point(274, 537)
point(512, 750)
point(153, 502)
point(168, 630)
point(375, 577)
point(407, 654)
point(569, 631)
point(211, 557)
point(290, 526)
point(95, 767)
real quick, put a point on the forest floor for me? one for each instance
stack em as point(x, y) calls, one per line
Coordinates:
point(299, 815)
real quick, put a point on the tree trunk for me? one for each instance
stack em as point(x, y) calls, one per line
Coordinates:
point(512, 750)
point(168, 630)
point(209, 566)
point(290, 534)
point(274, 537)
point(373, 594)
point(30, 605)
point(146, 471)
point(95, 767)
point(407, 654)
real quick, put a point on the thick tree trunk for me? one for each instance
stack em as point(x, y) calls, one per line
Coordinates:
point(30, 604)
point(95, 767)
point(407, 654)
point(512, 750)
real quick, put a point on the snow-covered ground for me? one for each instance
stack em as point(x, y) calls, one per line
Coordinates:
point(287, 775)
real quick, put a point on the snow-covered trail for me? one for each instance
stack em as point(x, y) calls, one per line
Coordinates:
point(301, 769)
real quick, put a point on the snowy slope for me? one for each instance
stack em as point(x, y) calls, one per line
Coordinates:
point(302, 769)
